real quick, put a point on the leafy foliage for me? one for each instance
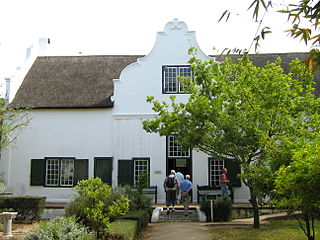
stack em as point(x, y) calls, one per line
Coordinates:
point(138, 200)
point(96, 205)
point(11, 122)
point(304, 18)
point(222, 210)
point(240, 112)
point(308, 10)
point(297, 185)
point(61, 229)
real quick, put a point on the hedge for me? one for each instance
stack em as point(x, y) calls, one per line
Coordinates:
point(142, 216)
point(28, 207)
point(222, 210)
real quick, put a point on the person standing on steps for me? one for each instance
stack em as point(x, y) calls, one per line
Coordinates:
point(180, 177)
point(185, 189)
point(224, 181)
point(171, 186)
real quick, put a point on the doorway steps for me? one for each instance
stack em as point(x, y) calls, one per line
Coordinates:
point(178, 215)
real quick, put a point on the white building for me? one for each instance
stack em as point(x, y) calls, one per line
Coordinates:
point(87, 114)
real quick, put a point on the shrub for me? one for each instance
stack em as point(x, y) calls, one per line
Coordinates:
point(61, 228)
point(96, 205)
point(28, 208)
point(222, 209)
point(138, 200)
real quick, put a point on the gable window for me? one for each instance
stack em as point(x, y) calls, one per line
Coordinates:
point(58, 171)
point(215, 169)
point(174, 149)
point(170, 78)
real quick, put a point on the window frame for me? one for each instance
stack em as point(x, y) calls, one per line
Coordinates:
point(60, 174)
point(178, 86)
point(179, 149)
point(38, 171)
point(135, 176)
point(234, 168)
point(215, 177)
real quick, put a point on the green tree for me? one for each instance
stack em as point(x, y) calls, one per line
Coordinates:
point(297, 185)
point(237, 111)
point(11, 122)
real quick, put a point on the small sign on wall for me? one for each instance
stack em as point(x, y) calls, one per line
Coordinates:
point(181, 162)
point(157, 172)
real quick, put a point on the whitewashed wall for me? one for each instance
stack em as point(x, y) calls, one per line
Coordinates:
point(83, 134)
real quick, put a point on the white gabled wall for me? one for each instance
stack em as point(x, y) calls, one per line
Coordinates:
point(144, 78)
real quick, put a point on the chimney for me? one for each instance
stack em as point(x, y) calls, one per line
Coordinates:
point(29, 53)
point(43, 44)
point(7, 97)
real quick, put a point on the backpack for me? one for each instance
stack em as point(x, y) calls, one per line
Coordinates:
point(170, 183)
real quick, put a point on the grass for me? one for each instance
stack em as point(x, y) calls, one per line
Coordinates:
point(124, 227)
point(276, 230)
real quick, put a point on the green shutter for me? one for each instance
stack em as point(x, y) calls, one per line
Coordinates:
point(233, 170)
point(103, 169)
point(80, 170)
point(37, 172)
point(125, 172)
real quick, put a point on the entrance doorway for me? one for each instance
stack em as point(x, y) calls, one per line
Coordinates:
point(183, 165)
point(178, 159)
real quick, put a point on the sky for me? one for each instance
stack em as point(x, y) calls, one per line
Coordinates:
point(128, 27)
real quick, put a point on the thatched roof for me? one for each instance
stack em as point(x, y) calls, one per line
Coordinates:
point(86, 81)
point(262, 58)
point(71, 82)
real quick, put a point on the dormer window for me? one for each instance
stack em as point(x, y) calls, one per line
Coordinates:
point(170, 78)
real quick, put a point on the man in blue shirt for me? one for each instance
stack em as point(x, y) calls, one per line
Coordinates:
point(186, 188)
point(180, 177)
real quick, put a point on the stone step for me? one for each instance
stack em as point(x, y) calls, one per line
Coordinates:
point(178, 215)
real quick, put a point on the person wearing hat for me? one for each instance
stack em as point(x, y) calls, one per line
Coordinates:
point(171, 186)
point(185, 189)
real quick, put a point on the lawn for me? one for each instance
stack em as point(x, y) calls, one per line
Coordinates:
point(276, 230)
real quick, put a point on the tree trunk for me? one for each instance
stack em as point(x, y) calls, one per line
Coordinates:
point(308, 227)
point(254, 203)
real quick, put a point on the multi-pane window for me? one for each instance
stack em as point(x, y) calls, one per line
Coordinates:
point(52, 172)
point(215, 168)
point(140, 166)
point(175, 150)
point(171, 74)
point(59, 172)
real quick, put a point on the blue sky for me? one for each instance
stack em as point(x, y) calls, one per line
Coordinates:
point(129, 26)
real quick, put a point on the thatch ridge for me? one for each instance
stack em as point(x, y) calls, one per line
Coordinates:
point(71, 81)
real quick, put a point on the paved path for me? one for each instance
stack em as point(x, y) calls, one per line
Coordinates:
point(176, 230)
point(192, 230)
